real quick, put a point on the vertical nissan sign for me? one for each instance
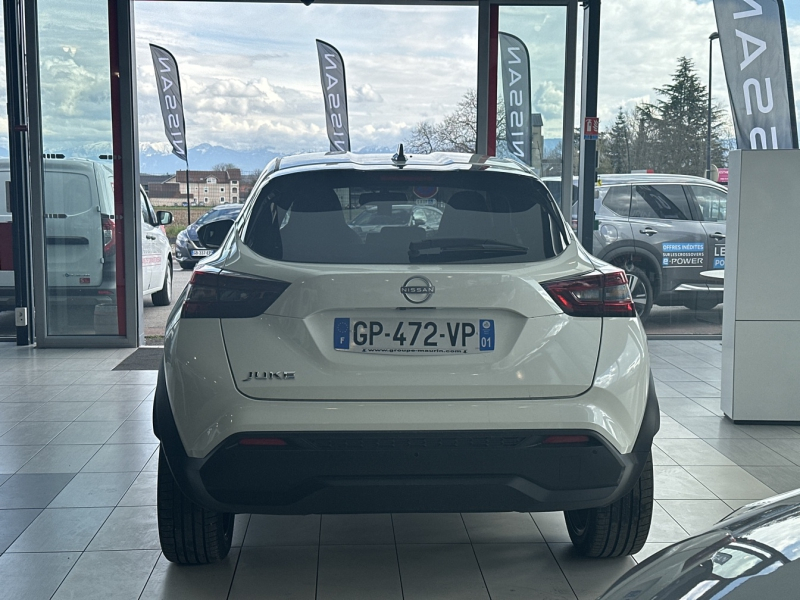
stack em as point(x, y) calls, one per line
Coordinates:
point(334, 90)
point(516, 70)
point(169, 96)
point(752, 35)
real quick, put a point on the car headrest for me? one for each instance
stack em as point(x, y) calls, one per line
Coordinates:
point(468, 200)
point(315, 200)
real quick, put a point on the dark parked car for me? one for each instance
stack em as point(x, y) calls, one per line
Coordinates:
point(188, 248)
point(751, 554)
point(667, 232)
point(380, 214)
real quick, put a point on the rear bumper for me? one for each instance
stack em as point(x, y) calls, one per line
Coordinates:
point(408, 471)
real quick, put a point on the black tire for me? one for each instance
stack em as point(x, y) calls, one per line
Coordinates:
point(189, 534)
point(701, 300)
point(619, 529)
point(187, 266)
point(641, 290)
point(163, 297)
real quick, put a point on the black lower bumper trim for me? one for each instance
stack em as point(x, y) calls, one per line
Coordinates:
point(422, 471)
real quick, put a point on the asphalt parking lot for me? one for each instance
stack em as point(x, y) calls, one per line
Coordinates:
point(155, 317)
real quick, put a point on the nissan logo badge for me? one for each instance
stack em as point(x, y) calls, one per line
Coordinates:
point(417, 290)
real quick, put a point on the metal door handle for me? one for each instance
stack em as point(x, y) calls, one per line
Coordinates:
point(718, 236)
point(648, 231)
point(150, 237)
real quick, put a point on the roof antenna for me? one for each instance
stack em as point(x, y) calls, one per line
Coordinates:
point(399, 156)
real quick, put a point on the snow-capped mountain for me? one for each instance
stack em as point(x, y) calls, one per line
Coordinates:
point(158, 158)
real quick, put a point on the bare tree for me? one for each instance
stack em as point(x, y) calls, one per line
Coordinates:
point(457, 132)
point(224, 167)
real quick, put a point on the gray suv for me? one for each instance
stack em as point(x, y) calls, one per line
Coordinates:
point(667, 232)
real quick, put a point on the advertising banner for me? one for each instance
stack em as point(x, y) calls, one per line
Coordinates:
point(515, 65)
point(169, 96)
point(334, 90)
point(752, 35)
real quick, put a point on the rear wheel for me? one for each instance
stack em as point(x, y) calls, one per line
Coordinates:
point(163, 297)
point(619, 529)
point(189, 534)
point(187, 266)
point(641, 291)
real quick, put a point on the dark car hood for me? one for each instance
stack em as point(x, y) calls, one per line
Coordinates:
point(752, 554)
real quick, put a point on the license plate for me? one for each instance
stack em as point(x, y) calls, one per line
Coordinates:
point(201, 252)
point(423, 336)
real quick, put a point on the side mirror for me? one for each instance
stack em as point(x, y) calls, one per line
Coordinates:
point(213, 234)
point(419, 221)
point(164, 217)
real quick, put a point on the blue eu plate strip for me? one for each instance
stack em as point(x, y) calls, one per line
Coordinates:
point(487, 335)
point(341, 334)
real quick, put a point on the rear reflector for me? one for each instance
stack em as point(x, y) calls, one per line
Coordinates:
point(566, 439)
point(598, 294)
point(262, 442)
point(217, 294)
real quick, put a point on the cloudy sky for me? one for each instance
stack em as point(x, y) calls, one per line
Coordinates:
point(250, 77)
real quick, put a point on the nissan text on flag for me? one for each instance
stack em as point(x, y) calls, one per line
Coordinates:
point(755, 53)
point(486, 363)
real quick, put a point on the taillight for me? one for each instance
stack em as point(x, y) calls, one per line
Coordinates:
point(599, 294)
point(109, 238)
point(566, 439)
point(217, 294)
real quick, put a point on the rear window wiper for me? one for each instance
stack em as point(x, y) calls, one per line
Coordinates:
point(461, 249)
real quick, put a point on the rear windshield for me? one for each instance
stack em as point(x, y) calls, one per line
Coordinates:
point(405, 217)
point(67, 193)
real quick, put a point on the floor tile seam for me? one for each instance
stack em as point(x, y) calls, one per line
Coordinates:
point(69, 570)
point(46, 443)
point(233, 576)
point(73, 473)
point(397, 556)
point(694, 358)
point(703, 354)
point(679, 417)
point(684, 464)
point(779, 453)
point(266, 545)
point(764, 483)
point(560, 568)
point(697, 481)
point(475, 556)
point(155, 564)
point(108, 516)
point(319, 552)
point(23, 464)
point(761, 442)
point(774, 492)
point(671, 516)
point(28, 420)
point(6, 551)
point(99, 473)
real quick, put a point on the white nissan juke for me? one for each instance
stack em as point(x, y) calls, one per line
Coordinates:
point(483, 363)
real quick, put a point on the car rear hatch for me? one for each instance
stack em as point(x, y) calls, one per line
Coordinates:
point(311, 311)
point(73, 225)
point(352, 334)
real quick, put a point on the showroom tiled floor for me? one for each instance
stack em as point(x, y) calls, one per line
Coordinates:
point(77, 496)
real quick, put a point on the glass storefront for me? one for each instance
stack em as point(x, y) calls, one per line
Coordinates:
point(667, 233)
point(7, 328)
point(80, 221)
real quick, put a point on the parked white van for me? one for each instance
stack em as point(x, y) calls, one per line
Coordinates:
point(81, 241)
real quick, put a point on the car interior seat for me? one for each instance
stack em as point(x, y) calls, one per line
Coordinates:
point(316, 227)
